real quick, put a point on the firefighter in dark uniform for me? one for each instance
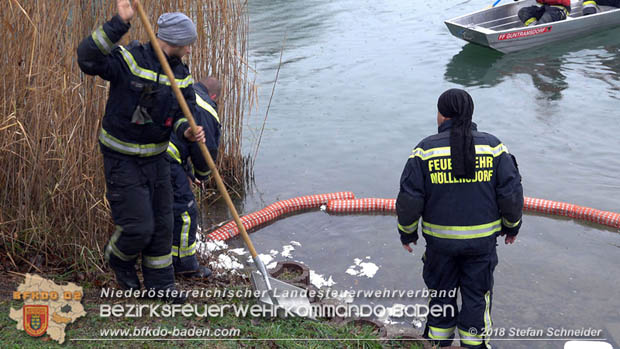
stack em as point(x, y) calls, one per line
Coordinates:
point(546, 12)
point(464, 189)
point(179, 153)
point(140, 115)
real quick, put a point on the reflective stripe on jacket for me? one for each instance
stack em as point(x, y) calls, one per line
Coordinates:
point(179, 151)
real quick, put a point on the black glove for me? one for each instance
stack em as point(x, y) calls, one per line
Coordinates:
point(408, 238)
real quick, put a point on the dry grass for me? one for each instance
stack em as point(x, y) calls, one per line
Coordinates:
point(52, 207)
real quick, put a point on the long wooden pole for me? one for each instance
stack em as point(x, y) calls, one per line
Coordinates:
point(203, 148)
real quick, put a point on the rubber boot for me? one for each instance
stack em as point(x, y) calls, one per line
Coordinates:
point(437, 342)
point(188, 267)
point(125, 273)
point(162, 279)
point(589, 10)
point(202, 273)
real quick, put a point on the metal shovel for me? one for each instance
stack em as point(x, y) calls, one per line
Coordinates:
point(273, 292)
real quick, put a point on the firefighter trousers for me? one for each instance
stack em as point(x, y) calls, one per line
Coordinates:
point(541, 14)
point(184, 241)
point(140, 196)
point(472, 275)
point(185, 221)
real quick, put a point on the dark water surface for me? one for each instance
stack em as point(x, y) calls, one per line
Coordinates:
point(357, 90)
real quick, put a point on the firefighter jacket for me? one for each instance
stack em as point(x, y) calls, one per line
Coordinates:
point(207, 109)
point(180, 150)
point(459, 215)
point(141, 110)
point(565, 3)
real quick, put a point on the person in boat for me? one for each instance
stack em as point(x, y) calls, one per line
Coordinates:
point(590, 7)
point(180, 153)
point(466, 189)
point(545, 12)
point(140, 115)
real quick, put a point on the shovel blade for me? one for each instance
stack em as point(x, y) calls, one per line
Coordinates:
point(291, 299)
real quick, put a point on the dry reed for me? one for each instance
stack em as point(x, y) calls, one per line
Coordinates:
point(52, 207)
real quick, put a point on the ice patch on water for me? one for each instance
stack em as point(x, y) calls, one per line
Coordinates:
point(319, 281)
point(359, 268)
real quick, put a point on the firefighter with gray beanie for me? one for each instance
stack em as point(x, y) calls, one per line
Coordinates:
point(140, 115)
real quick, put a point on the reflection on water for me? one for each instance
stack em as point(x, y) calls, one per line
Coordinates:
point(594, 57)
point(293, 23)
point(478, 66)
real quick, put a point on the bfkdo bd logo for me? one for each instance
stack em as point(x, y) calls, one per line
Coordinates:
point(36, 318)
point(47, 307)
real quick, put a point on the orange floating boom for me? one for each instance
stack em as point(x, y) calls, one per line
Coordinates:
point(345, 202)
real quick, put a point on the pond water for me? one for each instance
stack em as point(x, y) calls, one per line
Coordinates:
point(357, 90)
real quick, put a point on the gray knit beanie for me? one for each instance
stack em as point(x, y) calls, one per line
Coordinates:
point(176, 29)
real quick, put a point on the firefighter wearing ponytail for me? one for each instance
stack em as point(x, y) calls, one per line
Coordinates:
point(464, 189)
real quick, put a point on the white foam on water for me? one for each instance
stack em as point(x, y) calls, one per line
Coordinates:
point(240, 251)
point(227, 262)
point(272, 265)
point(286, 251)
point(368, 269)
point(274, 253)
point(359, 268)
point(319, 281)
point(293, 242)
point(265, 258)
point(215, 245)
point(417, 323)
point(351, 271)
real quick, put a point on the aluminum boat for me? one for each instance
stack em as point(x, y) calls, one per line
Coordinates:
point(500, 28)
